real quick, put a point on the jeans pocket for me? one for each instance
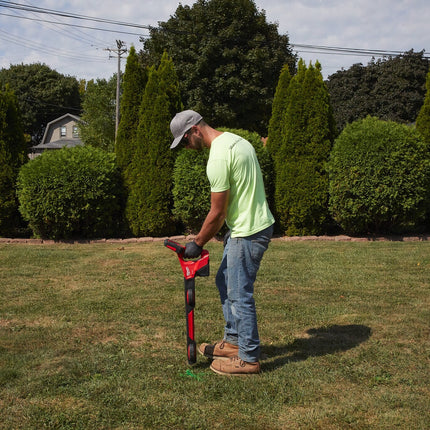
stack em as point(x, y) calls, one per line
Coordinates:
point(258, 248)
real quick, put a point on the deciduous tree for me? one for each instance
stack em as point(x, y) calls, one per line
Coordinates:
point(43, 94)
point(390, 89)
point(228, 59)
point(98, 118)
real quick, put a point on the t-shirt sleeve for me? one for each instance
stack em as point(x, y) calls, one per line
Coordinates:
point(218, 175)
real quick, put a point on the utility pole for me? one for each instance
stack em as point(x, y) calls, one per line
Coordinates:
point(121, 49)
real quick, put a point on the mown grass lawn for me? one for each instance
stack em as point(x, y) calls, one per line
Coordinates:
point(93, 337)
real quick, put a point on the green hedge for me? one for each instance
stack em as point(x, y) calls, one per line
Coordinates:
point(191, 190)
point(379, 178)
point(72, 193)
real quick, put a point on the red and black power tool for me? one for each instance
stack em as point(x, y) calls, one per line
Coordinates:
point(191, 269)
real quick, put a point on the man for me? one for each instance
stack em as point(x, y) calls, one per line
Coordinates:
point(237, 197)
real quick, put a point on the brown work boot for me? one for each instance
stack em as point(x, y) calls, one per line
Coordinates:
point(235, 367)
point(219, 350)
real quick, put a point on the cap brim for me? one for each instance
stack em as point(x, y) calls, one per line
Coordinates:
point(176, 142)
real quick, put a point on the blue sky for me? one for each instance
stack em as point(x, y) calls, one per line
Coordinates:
point(387, 25)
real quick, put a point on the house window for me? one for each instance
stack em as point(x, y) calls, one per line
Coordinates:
point(63, 131)
point(75, 131)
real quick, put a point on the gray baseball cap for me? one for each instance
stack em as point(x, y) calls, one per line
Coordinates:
point(181, 123)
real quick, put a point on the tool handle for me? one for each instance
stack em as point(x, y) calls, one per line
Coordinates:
point(190, 268)
point(174, 246)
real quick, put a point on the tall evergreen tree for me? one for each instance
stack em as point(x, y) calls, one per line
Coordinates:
point(423, 120)
point(13, 155)
point(301, 194)
point(150, 201)
point(423, 127)
point(279, 106)
point(133, 84)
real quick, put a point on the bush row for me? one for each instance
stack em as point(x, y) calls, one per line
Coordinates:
point(379, 182)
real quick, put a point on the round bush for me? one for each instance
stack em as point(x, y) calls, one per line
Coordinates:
point(191, 190)
point(379, 177)
point(71, 193)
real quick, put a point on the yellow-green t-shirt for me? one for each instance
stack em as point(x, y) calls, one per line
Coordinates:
point(233, 166)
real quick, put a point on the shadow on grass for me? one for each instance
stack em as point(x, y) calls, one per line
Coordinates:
point(320, 341)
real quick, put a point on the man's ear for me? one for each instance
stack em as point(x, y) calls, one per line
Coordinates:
point(196, 130)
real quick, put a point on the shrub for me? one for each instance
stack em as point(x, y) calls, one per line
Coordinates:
point(70, 193)
point(191, 189)
point(379, 176)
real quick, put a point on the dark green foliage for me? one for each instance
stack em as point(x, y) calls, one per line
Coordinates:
point(423, 120)
point(301, 190)
point(379, 177)
point(71, 193)
point(279, 106)
point(149, 176)
point(43, 94)
point(390, 89)
point(191, 189)
point(227, 57)
point(13, 155)
point(134, 81)
point(98, 118)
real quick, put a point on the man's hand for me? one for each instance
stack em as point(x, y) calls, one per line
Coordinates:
point(192, 250)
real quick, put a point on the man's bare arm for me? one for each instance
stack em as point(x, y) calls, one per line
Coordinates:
point(215, 218)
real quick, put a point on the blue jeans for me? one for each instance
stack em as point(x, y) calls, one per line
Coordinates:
point(235, 281)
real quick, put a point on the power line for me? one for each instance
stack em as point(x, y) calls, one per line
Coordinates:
point(308, 48)
point(72, 25)
point(297, 47)
point(19, 6)
point(346, 51)
point(26, 43)
point(76, 34)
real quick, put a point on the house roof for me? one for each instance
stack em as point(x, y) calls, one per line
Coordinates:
point(48, 126)
point(58, 144)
